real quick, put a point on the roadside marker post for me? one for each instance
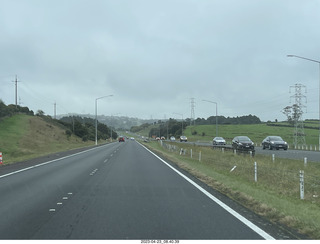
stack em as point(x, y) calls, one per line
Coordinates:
point(301, 184)
point(273, 157)
point(255, 172)
point(1, 158)
point(305, 161)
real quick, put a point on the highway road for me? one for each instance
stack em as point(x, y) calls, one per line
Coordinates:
point(118, 191)
point(312, 156)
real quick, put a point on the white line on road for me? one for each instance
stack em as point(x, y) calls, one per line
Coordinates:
point(45, 163)
point(248, 223)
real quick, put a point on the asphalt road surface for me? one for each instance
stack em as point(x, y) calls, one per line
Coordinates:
point(312, 156)
point(116, 191)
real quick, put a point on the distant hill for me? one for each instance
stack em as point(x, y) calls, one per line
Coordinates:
point(116, 122)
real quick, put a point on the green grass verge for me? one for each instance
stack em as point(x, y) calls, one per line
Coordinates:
point(275, 195)
point(12, 129)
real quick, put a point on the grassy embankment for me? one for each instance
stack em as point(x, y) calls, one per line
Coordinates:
point(24, 137)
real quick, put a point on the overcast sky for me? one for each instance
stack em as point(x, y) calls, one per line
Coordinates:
point(154, 56)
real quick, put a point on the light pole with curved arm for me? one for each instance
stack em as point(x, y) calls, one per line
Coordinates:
point(96, 117)
point(181, 123)
point(216, 114)
point(315, 61)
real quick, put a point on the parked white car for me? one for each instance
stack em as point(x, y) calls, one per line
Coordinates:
point(172, 138)
point(218, 141)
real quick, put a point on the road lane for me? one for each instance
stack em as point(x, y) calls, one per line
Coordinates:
point(27, 195)
point(312, 156)
point(119, 191)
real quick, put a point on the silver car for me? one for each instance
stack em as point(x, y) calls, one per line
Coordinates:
point(218, 141)
point(183, 138)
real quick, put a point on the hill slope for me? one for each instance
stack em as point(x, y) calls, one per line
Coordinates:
point(23, 137)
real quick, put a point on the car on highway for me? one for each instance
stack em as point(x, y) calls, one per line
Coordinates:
point(218, 141)
point(172, 138)
point(183, 138)
point(121, 139)
point(276, 142)
point(242, 143)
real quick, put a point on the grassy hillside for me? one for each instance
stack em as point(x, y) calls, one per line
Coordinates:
point(23, 137)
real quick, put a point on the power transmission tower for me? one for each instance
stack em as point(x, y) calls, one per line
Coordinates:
point(298, 136)
point(192, 119)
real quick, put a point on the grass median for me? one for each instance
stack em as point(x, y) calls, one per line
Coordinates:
point(276, 193)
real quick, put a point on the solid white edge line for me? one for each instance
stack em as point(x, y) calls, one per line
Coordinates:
point(248, 223)
point(49, 162)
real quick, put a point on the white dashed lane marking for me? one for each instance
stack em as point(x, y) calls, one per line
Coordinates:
point(93, 172)
point(61, 203)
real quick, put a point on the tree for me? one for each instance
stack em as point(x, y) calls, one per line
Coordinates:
point(40, 112)
point(293, 113)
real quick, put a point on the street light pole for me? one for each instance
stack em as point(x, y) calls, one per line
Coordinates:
point(216, 114)
point(97, 115)
point(181, 123)
point(315, 61)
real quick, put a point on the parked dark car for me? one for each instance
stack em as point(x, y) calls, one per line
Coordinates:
point(272, 142)
point(242, 143)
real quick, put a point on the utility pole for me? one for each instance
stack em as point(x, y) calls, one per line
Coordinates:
point(192, 119)
point(16, 90)
point(299, 136)
point(55, 110)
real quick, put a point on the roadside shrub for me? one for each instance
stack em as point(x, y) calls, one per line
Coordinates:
point(68, 133)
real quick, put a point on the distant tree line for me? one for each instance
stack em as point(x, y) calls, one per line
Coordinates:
point(168, 128)
point(173, 127)
point(86, 129)
point(242, 120)
point(10, 110)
